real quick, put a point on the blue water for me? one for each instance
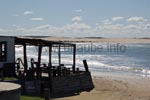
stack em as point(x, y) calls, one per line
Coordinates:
point(101, 57)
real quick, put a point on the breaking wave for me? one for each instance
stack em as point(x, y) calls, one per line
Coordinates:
point(134, 60)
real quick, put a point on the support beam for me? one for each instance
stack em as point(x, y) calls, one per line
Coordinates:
point(50, 68)
point(59, 55)
point(39, 62)
point(50, 61)
point(86, 65)
point(74, 58)
point(25, 57)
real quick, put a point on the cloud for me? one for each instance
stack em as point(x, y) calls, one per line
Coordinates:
point(28, 13)
point(65, 30)
point(135, 19)
point(117, 18)
point(44, 27)
point(3, 31)
point(77, 18)
point(76, 26)
point(133, 27)
point(108, 27)
point(104, 28)
point(37, 19)
point(73, 28)
point(78, 10)
point(106, 22)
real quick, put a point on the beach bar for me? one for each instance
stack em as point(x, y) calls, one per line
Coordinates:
point(38, 77)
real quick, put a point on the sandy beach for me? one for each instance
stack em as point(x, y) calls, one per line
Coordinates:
point(116, 88)
point(112, 87)
point(89, 39)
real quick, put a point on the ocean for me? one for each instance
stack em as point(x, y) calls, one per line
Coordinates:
point(121, 58)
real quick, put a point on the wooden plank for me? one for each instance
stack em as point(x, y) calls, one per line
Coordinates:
point(50, 60)
point(50, 68)
point(59, 55)
point(25, 57)
point(74, 58)
point(39, 61)
point(86, 66)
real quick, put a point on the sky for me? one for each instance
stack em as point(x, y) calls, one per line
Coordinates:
point(75, 18)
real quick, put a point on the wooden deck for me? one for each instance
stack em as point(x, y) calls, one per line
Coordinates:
point(72, 83)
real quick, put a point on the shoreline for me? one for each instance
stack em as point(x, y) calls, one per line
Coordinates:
point(111, 40)
point(90, 39)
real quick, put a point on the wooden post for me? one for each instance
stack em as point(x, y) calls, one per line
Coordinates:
point(39, 62)
point(46, 94)
point(74, 58)
point(59, 56)
point(25, 57)
point(50, 61)
point(59, 59)
point(2, 74)
point(50, 67)
point(86, 66)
